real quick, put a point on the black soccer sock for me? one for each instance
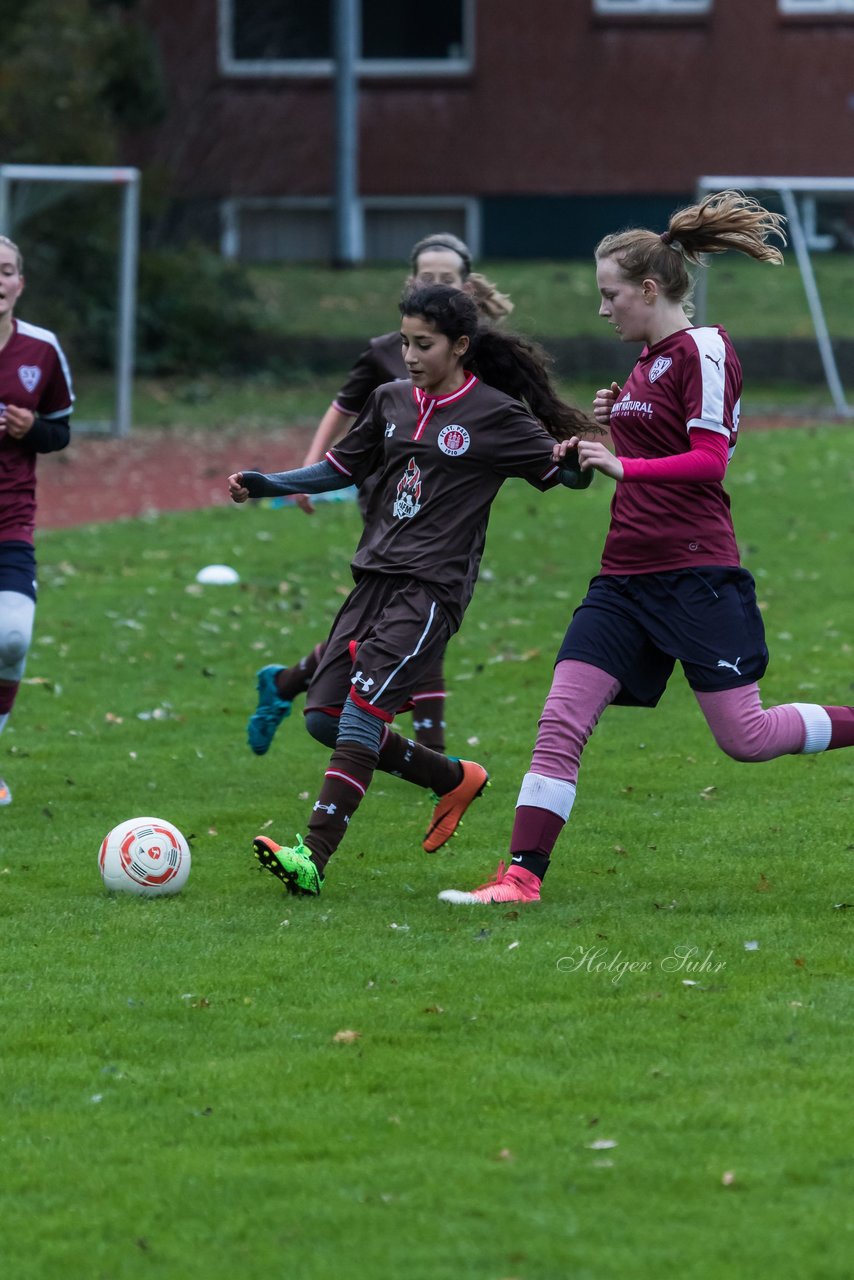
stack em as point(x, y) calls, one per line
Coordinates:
point(536, 863)
point(291, 681)
point(428, 721)
point(429, 769)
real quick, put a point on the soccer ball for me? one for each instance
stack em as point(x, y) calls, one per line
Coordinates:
point(144, 855)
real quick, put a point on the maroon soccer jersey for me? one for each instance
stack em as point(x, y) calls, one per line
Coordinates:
point(440, 464)
point(381, 361)
point(34, 375)
point(690, 379)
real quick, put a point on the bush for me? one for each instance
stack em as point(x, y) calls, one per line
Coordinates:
point(196, 311)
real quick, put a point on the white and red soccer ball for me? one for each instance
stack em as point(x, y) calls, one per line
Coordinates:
point(148, 856)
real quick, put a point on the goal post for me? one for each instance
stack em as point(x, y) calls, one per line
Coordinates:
point(128, 180)
point(793, 193)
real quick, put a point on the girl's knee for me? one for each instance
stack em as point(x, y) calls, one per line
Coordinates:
point(322, 726)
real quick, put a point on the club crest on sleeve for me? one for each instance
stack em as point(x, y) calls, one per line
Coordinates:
point(661, 365)
point(454, 440)
point(30, 375)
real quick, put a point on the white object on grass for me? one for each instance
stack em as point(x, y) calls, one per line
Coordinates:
point(219, 575)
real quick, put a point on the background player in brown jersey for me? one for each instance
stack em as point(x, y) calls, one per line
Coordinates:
point(442, 445)
point(671, 586)
point(441, 258)
point(35, 408)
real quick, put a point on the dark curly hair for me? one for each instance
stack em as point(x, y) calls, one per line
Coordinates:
point(506, 361)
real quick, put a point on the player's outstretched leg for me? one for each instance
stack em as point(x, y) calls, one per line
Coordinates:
point(293, 866)
point(270, 712)
point(510, 884)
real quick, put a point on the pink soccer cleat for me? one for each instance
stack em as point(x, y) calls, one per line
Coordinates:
point(514, 884)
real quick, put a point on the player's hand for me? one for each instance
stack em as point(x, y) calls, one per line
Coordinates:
point(592, 455)
point(304, 503)
point(236, 488)
point(17, 421)
point(603, 403)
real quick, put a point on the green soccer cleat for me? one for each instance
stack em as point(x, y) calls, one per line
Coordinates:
point(293, 867)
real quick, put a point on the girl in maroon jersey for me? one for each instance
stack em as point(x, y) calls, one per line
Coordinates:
point(441, 443)
point(35, 407)
point(671, 586)
point(441, 258)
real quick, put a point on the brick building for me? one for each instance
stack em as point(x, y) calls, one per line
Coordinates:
point(528, 127)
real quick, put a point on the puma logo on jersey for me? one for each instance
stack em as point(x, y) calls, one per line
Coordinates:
point(733, 666)
point(716, 363)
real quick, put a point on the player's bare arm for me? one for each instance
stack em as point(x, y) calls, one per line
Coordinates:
point(592, 456)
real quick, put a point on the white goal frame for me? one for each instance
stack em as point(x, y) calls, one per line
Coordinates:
point(799, 217)
point(129, 182)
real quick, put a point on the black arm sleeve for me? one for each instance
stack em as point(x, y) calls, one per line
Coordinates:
point(47, 435)
point(320, 477)
point(571, 475)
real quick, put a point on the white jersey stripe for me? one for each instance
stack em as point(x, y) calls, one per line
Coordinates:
point(710, 346)
point(45, 335)
point(403, 661)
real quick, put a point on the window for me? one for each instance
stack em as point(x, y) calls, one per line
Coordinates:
point(301, 229)
point(816, 7)
point(662, 7)
point(268, 37)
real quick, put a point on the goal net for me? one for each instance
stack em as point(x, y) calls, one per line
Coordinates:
point(798, 199)
point(39, 192)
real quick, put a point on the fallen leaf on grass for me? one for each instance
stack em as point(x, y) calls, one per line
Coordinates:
point(763, 884)
point(434, 1008)
point(346, 1037)
point(504, 1154)
point(601, 1144)
point(728, 1178)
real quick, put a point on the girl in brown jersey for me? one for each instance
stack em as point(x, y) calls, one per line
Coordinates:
point(441, 258)
point(478, 409)
point(671, 586)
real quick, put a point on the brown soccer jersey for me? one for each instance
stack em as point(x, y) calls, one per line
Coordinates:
point(440, 463)
point(380, 362)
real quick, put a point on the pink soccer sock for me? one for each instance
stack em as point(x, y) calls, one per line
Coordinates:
point(576, 700)
point(745, 731)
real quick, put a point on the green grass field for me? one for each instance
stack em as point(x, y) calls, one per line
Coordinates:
point(176, 1103)
point(555, 299)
